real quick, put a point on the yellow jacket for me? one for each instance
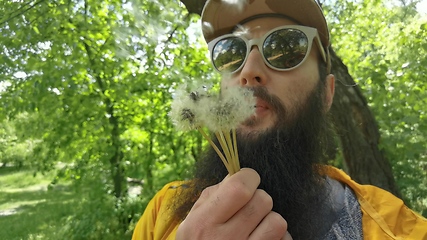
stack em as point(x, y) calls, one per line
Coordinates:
point(384, 215)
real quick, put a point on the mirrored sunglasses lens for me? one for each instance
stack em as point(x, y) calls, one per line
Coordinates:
point(228, 54)
point(285, 48)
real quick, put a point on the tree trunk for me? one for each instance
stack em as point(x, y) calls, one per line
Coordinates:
point(358, 132)
point(354, 123)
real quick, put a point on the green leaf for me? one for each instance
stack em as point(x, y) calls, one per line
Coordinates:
point(36, 30)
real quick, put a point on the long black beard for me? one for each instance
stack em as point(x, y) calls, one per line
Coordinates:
point(286, 158)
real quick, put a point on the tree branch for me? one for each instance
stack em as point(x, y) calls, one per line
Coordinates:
point(20, 13)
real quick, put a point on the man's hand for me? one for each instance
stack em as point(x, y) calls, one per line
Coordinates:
point(234, 209)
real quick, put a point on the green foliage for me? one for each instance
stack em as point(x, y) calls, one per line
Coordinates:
point(93, 218)
point(95, 80)
point(384, 48)
point(15, 151)
point(28, 208)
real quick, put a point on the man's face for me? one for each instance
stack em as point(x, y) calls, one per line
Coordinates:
point(292, 88)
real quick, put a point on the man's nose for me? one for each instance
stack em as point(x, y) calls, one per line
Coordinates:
point(254, 72)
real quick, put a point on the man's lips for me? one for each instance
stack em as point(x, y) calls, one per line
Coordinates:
point(261, 107)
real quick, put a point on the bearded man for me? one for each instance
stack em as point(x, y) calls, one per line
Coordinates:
point(280, 51)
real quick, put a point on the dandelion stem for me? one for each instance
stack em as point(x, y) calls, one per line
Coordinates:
point(236, 153)
point(230, 147)
point(224, 161)
point(224, 146)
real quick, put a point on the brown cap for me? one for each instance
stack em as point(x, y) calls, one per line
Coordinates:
point(220, 17)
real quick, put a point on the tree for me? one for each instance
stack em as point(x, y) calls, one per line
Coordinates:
point(385, 53)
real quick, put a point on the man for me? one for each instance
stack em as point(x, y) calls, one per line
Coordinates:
point(278, 49)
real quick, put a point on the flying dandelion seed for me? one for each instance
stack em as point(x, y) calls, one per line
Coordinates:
point(207, 28)
point(238, 5)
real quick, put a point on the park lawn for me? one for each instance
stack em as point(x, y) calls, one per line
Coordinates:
point(29, 209)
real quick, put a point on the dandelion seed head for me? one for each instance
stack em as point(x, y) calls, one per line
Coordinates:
point(187, 114)
point(185, 108)
point(245, 99)
point(228, 111)
point(195, 106)
point(182, 114)
point(225, 116)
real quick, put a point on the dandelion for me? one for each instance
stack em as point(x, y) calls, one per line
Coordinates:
point(221, 114)
point(184, 108)
point(183, 115)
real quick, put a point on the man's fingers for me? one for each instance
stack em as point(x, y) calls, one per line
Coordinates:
point(220, 202)
point(214, 213)
point(273, 226)
point(250, 215)
point(287, 236)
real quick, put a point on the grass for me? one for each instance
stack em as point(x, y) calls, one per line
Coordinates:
point(28, 208)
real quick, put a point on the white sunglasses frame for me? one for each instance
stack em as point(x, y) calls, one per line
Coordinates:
point(310, 33)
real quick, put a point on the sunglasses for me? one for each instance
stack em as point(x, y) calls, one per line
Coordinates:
point(283, 48)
